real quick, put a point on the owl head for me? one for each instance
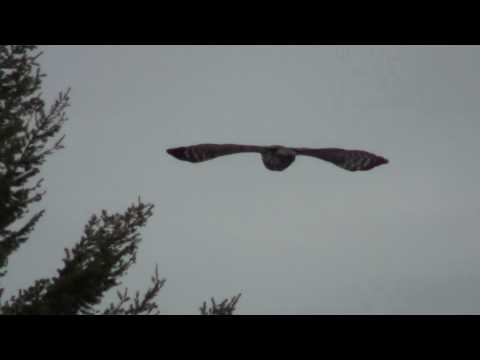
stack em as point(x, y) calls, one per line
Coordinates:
point(278, 158)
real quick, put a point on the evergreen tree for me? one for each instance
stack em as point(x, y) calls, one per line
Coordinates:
point(226, 307)
point(29, 134)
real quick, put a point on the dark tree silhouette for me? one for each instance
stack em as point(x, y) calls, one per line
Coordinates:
point(226, 307)
point(27, 129)
point(29, 133)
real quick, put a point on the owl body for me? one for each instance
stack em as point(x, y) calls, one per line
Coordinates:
point(278, 158)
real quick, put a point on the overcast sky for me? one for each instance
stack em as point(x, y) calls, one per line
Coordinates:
point(313, 239)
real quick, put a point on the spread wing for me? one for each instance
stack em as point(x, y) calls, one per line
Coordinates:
point(352, 160)
point(204, 152)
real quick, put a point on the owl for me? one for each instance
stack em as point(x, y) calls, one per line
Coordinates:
point(278, 158)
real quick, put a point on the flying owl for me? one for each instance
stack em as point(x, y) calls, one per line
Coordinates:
point(278, 158)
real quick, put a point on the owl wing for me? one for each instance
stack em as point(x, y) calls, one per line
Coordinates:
point(204, 152)
point(352, 160)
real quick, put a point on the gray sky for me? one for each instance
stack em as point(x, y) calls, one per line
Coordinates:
point(313, 239)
